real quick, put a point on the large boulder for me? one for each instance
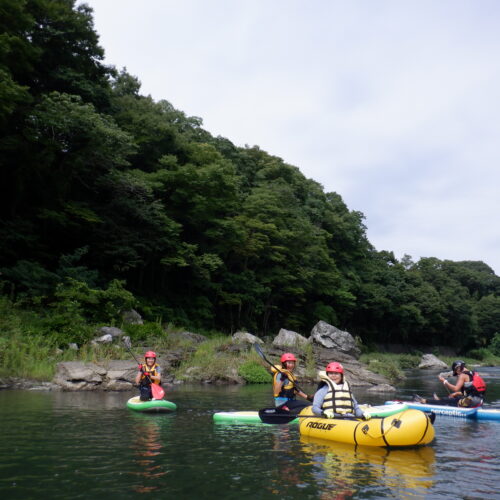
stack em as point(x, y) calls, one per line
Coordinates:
point(111, 330)
point(108, 376)
point(382, 388)
point(245, 337)
point(431, 362)
point(288, 338)
point(356, 373)
point(332, 338)
point(132, 317)
point(79, 376)
point(195, 338)
point(120, 375)
point(104, 339)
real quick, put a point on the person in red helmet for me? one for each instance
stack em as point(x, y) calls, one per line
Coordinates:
point(334, 396)
point(284, 381)
point(148, 373)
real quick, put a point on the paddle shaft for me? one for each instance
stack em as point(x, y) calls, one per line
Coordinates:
point(261, 354)
point(285, 419)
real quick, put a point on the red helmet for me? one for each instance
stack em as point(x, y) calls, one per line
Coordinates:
point(334, 367)
point(150, 354)
point(288, 356)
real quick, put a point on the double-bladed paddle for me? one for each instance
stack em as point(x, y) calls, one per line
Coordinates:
point(279, 416)
point(156, 390)
point(261, 354)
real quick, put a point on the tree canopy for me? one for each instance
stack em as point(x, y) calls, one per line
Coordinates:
point(101, 183)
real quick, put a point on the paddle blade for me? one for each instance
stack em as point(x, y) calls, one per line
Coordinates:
point(258, 349)
point(275, 416)
point(157, 391)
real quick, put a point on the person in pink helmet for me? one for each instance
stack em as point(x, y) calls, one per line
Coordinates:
point(284, 381)
point(148, 373)
point(334, 397)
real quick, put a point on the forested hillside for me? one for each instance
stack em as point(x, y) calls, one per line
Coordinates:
point(105, 191)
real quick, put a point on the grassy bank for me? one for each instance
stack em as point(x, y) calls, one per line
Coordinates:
point(33, 342)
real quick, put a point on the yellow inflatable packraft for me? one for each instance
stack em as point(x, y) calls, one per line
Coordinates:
point(406, 428)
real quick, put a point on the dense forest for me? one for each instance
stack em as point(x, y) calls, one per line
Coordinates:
point(109, 196)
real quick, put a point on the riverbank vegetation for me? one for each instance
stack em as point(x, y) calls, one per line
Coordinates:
point(114, 200)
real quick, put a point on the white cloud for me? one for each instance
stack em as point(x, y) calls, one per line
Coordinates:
point(392, 104)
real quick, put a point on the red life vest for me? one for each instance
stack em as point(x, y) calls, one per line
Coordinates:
point(476, 386)
point(478, 383)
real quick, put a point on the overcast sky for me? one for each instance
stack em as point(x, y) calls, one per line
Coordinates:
point(395, 105)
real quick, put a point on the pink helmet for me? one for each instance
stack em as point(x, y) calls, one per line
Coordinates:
point(334, 367)
point(150, 354)
point(288, 356)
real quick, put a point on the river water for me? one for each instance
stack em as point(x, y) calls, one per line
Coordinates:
point(56, 445)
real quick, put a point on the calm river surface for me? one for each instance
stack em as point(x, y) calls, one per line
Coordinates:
point(88, 445)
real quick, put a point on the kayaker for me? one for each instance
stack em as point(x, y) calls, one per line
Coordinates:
point(148, 372)
point(468, 391)
point(284, 381)
point(334, 396)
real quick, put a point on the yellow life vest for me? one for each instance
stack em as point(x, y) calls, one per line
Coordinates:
point(150, 370)
point(288, 388)
point(337, 399)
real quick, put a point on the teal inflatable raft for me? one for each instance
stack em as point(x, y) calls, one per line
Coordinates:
point(151, 406)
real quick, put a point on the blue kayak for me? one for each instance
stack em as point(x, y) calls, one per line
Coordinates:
point(452, 411)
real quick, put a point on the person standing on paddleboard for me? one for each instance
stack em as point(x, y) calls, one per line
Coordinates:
point(148, 373)
point(334, 396)
point(284, 381)
point(468, 391)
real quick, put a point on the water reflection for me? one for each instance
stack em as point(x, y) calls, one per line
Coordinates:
point(146, 445)
point(347, 468)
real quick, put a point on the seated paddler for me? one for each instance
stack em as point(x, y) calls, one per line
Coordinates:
point(333, 397)
point(284, 381)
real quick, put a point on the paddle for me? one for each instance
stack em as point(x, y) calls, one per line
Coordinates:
point(279, 416)
point(156, 390)
point(261, 354)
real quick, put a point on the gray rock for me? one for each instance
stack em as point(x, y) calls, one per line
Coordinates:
point(382, 388)
point(429, 361)
point(111, 375)
point(240, 337)
point(192, 337)
point(355, 372)
point(105, 339)
point(111, 330)
point(132, 317)
point(120, 375)
point(27, 384)
point(77, 376)
point(332, 338)
point(290, 338)
point(72, 346)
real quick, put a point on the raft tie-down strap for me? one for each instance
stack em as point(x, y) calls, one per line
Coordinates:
point(396, 423)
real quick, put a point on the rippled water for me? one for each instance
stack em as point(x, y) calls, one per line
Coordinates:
point(78, 445)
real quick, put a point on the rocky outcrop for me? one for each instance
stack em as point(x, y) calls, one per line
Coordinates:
point(196, 338)
point(288, 338)
point(132, 317)
point(110, 375)
point(331, 337)
point(382, 388)
point(26, 384)
point(196, 375)
point(245, 337)
point(356, 373)
point(431, 362)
